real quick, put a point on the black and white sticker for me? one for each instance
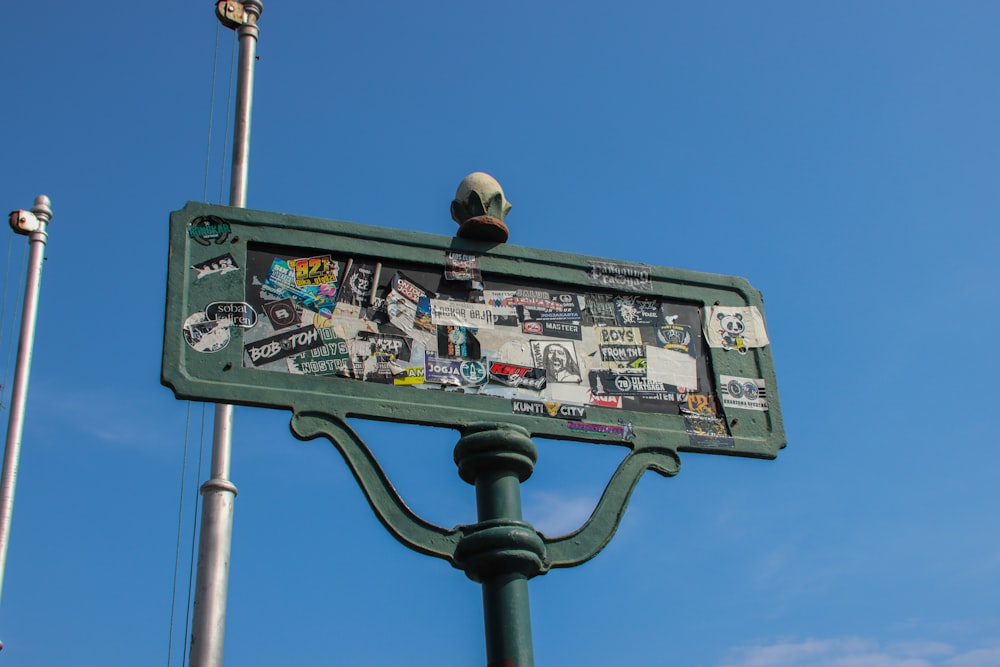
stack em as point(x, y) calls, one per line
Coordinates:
point(239, 313)
point(283, 345)
point(745, 393)
point(205, 335)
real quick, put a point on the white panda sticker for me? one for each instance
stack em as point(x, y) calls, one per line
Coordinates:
point(735, 328)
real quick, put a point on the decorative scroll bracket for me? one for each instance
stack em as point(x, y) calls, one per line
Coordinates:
point(454, 544)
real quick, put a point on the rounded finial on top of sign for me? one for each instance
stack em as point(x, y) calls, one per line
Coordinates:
point(479, 209)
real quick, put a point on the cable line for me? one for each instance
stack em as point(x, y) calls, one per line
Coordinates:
point(187, 424)
point(180, 523)
point(211, 113)
point(229, 106)
point(194, 533)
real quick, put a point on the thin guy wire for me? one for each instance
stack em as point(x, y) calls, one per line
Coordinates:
point(194, 531)
point(229, 108)
point(187, 424)
point(211, 112)
point(180, 523)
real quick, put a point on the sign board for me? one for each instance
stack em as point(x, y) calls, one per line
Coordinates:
point(281, 311)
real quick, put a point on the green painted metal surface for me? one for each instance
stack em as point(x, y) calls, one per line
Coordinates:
point(216, 256)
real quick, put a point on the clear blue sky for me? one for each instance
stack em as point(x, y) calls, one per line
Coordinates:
point(841, 156)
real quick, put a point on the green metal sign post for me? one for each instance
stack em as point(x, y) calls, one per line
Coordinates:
point(334, 320)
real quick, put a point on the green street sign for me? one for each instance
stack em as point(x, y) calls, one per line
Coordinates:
point(349, 320)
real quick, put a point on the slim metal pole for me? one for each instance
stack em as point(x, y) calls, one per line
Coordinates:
point(506, 611)
point(208, 627)
point(37, 238)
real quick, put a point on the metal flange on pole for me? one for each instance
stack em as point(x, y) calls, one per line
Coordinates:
point(501, 552)
point(33, 224)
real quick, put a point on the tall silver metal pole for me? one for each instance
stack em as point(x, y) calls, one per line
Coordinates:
point(34, 224)
point(208, 627)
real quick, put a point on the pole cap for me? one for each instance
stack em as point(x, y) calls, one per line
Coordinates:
point(43, 207)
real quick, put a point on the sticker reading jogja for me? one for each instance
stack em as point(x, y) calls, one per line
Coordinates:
point(735, 328)
point(458, 372)
point(746, 393)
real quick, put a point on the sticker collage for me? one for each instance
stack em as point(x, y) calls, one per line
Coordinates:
point(549, 351)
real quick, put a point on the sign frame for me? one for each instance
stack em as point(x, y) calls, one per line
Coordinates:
point(208, 264)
